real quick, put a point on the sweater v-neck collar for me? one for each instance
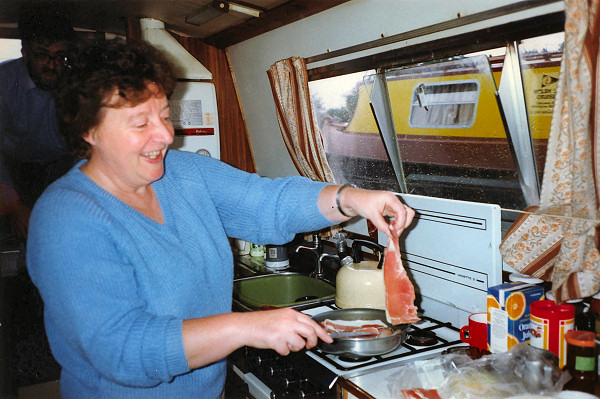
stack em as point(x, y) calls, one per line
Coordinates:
point(157, 186)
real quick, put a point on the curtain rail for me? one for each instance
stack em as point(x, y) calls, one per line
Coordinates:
point(462, 21)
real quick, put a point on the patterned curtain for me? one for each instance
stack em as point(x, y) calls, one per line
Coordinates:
point(558, 240)
point(299, 127)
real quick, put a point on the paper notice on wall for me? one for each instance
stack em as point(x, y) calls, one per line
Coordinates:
point(189, 120)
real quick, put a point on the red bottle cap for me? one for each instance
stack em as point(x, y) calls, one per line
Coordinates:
point(580, 338)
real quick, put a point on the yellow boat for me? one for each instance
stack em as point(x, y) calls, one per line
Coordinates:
point(468, 132)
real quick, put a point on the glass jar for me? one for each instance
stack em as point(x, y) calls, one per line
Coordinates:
point(584, 320)
point(595, 304)
point(581, 360)
point(597, 384)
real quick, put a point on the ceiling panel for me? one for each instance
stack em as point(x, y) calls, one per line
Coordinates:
point(224, 30)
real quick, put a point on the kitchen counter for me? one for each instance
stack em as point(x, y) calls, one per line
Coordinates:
point(386, 382)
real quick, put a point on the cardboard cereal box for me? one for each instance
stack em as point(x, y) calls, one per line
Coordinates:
point(509, 321)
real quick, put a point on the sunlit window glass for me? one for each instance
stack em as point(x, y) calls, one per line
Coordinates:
point(540, 60)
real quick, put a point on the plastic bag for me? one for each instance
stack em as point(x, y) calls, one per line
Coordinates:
point(522, 370)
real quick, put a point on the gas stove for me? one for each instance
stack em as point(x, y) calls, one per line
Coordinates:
point(314, 373)
point(451, 254)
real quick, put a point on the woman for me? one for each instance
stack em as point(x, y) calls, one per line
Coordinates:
point(130, 251)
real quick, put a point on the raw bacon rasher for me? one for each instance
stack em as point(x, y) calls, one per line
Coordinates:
point(376, 328)
point(419, 393)
point(399, 291)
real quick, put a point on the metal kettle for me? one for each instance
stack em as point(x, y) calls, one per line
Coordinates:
point(360, 284)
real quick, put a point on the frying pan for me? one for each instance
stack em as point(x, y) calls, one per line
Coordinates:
point(357, 348)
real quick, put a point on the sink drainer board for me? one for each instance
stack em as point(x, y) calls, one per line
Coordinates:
point(281, 290)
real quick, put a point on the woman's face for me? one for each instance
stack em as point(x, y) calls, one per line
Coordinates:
point(130, 143)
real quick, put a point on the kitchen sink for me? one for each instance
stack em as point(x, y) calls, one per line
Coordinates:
point(280, 290)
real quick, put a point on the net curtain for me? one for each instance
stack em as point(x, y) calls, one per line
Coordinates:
point(558, 240)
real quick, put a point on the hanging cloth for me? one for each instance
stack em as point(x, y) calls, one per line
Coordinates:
point(299, 127)
point(557, 240)
point(298, 124)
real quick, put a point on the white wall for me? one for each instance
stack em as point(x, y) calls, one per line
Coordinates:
point(349, 24)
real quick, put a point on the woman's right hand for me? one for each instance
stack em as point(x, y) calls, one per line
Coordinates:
point(284, 330)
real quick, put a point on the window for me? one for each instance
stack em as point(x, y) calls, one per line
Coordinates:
point(453, 122)
point(9, 49)
point(444, 105)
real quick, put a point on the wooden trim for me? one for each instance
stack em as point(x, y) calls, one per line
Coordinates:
point(347, 389)
point(9, 33)
point(235, 144)
point(134, 29)
point(277, 17)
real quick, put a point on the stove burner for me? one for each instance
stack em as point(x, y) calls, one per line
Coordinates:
point(421, 338)
point(353, 359)
point(473, 353)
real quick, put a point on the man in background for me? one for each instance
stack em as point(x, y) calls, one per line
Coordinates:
point(33, 153)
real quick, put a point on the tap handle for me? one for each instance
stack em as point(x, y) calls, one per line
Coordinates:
point(343, 252)
point(358, 255)
point(341, 245)
point(317, 242)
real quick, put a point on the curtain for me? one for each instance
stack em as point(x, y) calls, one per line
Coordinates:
point(558, 240)
point(299, 127)
point(298, 124)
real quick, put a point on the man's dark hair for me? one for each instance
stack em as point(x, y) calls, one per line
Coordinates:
point(45, 25)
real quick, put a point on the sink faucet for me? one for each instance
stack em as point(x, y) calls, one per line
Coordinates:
point(318, 273)
point(317, 246)
point(342, 256)
point(316, 249)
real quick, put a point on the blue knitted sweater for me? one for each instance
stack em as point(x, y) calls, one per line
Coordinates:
point(116, 285)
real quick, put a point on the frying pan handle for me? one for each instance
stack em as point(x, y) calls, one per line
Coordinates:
point(357, 254)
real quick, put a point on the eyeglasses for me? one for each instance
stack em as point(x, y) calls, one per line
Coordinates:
point(43, 58)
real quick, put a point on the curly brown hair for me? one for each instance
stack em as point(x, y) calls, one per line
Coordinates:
point(97, 71)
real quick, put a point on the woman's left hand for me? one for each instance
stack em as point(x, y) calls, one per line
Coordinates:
point(369, 204)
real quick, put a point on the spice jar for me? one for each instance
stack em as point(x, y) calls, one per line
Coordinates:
point(597, 347)
point(581, 360)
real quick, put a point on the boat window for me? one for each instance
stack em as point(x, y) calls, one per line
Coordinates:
point(444, 105)
point(457, 126)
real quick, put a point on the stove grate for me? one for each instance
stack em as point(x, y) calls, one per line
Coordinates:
point(411, 350)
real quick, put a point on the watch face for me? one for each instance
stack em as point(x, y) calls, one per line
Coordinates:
point(203, 151)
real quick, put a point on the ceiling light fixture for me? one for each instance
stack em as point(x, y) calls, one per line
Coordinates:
point(218, 8)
